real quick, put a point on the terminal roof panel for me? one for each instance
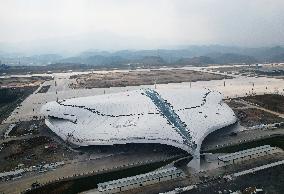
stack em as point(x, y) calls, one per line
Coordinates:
point(177, 117)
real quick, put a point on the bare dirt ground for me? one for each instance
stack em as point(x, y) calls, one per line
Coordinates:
point(257, 110)
point(22, 81)
point(272, 102)
point(134, 78)
point(234, 104)
point(32, 151)
point(26, 127)
point(251, 117)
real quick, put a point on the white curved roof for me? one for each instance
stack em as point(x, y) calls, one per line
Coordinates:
point(177, 117)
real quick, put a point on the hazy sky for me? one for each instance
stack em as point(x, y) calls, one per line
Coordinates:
point(122, 24)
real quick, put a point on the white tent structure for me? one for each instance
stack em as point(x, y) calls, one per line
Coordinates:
point(176, 117)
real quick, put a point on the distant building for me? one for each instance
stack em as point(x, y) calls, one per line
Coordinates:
point(3, 66)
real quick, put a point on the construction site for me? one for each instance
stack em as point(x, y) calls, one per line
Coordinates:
point(35, 159)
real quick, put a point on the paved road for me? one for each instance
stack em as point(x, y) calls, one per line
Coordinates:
point(243, 136)
point(78, 167)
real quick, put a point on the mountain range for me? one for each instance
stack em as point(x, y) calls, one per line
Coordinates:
point(190, 55)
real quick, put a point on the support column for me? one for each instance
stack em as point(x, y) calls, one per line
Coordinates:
point(195, 162)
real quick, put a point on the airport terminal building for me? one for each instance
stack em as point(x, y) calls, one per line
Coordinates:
point(177, 117)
